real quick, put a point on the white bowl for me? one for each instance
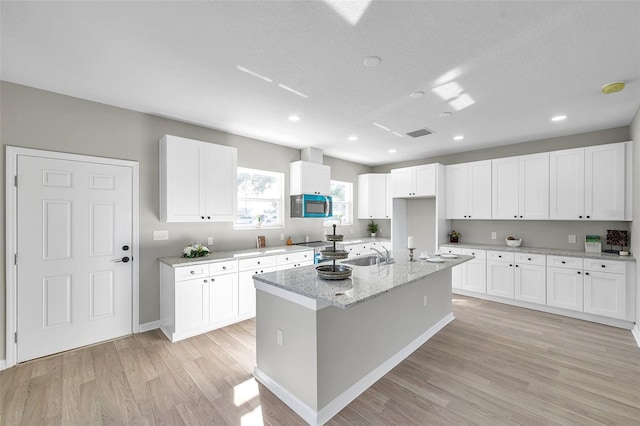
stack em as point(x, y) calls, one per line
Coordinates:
point(514, 243)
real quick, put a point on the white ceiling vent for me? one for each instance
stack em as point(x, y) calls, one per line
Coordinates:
point(420, 132)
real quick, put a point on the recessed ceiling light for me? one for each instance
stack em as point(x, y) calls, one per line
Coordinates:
point(559, 118)
point(294, 118)
point(392, 151)
point(353, 138)
point(446, 114)
point(398, 134)
point(372, 61)
point(458, 138)
point(416, 95)
point(614, 87)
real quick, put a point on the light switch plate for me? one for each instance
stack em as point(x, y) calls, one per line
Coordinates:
point(160, 235)
point(572, 239)
point(209, 241)
point(494, 235)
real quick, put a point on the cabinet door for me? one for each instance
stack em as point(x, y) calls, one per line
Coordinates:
point(531, 283)
point(456, 184)
point(403, 182)
point(223, 297)
point(323, 179)
point(474, 272)
point(247, 291)
point(309, 178)
point(425, 177)
point(500, 279)
point(504, 195)
point(182, 180)
point(220, 169)
point(456, 277)
point(192, 304)
point(372, 196)
point(388, 197)
point(566, 185)
point(605, 182)
point(564, 288)
point(533, 186)
point(604, 294)
point(479, 190)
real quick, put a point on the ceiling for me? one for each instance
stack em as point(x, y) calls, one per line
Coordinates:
point(502, 69)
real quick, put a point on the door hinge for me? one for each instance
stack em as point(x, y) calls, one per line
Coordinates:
point(15, 337)
point(15, 259)
point(15, 181)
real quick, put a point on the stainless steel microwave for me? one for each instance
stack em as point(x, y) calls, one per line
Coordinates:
point(311, 205)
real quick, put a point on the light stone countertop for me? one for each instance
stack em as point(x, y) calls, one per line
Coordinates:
point(223, 256)
point(366, 282)
point(540, 250)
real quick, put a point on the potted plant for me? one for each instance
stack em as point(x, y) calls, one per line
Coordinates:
point(453, 236)
point(372, 228)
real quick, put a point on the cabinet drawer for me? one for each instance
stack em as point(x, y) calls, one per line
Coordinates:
point(598, 265)
point(219, 268)
point(256, 262)
point(500, 256)
point(564, 262)
point(284, 259)
point(479, 254)
point(451, 250)
point(531, 259)
point(193, 271)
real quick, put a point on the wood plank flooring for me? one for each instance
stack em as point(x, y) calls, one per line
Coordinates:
point(494, 365)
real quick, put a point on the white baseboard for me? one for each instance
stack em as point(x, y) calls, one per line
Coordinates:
point(3, 364)
point(148, 326)
point(636, 333)
point(325, 414)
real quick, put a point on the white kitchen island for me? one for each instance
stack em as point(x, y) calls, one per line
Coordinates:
point(320, 344)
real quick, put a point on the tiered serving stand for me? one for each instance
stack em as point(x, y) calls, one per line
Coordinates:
point(333, 271)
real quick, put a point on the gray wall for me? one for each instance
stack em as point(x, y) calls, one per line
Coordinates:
point(635, 227)
point(34, 118)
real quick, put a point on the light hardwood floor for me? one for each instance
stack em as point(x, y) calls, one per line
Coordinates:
point(495, 364)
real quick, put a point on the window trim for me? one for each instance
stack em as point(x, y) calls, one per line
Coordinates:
point(348, 203)
point(281, 209)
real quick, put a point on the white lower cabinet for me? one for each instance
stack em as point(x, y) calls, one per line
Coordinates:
point(605, 292)
point(192, 304)
point(500, 274)
point(564, 288)
point(530, 284)
point(246, 290)
point(474, 272)
point(223, 298)
point(456, 271)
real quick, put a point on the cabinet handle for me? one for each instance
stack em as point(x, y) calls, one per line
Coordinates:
point(588, 217)
point(202, 217)
point(528, 258)
point(258, 262)
point(564, 261)
point(515, 216)
point(579, 272)
point(208, 217)
point(193, 272)
point(586, 273)
point(206, 281)
point(213, 280)
point(604, 266)
point(520, 217)
point(580, 217)
point(517, 266)
point(224, 267)
point(510, 265)
point(499, 255)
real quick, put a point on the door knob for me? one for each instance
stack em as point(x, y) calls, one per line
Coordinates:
point(123, 260)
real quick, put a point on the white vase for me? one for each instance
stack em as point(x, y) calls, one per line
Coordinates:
point(373, 235)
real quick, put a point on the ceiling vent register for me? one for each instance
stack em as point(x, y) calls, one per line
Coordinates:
point(420, 132)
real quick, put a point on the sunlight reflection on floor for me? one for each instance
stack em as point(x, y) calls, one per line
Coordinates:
point(252, 418)
point(245, 392)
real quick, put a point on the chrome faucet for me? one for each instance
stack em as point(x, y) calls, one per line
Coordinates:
point(385, 259)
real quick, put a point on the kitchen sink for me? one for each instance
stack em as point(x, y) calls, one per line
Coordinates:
point(365, 261)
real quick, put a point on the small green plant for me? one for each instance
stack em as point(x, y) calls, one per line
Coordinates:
point(372, 227)
point(454, 234)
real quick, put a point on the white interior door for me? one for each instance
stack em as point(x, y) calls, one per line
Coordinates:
point(74, 266)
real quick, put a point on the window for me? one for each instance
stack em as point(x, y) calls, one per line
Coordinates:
point(341, 193)
point(260, 199)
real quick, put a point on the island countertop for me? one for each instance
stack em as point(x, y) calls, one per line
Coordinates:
point(366, 282)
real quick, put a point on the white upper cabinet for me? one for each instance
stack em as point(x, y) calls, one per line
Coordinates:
point(417, 181)
point(469, 190)
point(198, 181)
point(589, 183)
point(520, 187)
point(372, 196)
point(309, 178)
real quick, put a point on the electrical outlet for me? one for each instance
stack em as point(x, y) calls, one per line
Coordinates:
point(209, 241)
point(279, 337)
point(494, 235)
point(160, 235)
point(281, 237)
point(572, 239)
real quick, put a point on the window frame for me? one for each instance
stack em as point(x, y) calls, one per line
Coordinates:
point(348, 203)
point(280, 209)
